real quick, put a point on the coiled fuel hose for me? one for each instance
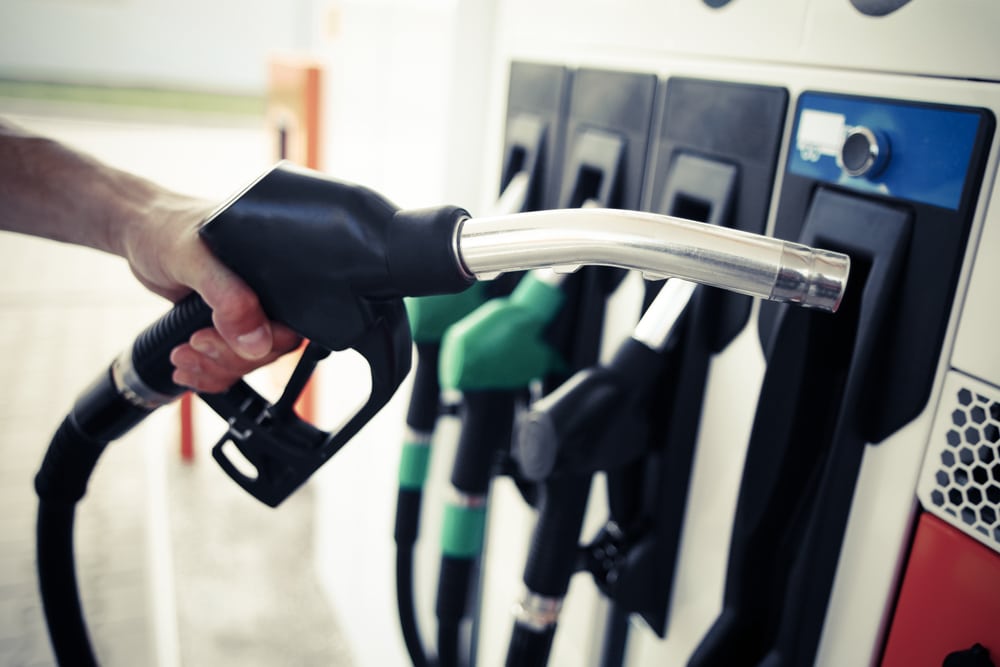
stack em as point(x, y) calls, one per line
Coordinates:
point(102, 413)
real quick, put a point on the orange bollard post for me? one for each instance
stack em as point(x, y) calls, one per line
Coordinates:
point(293, 118)
point(187, 427)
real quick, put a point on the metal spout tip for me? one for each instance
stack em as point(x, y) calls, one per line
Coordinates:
point(812, 278)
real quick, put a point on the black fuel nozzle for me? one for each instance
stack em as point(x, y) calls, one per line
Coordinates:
point(597, 419)
point(590, 423)
point(332, 261)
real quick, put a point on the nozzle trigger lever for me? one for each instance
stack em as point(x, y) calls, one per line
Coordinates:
point(279, 449)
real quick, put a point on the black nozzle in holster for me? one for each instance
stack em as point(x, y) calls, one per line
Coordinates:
point(593, 421)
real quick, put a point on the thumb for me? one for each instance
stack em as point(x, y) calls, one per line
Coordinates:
point(236, 310)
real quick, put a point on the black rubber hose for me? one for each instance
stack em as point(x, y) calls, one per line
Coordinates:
point(529, 648)
point(421, 417)
point(615, 637)
point(152, 347)
point(455, 583)
point(487, 420)
point(60, 483)
point(551, 561)
point(448, 643)
point(406, 607)
point(100, 415)
point(60, 595)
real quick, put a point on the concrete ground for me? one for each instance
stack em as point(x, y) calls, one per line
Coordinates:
point(177, 565)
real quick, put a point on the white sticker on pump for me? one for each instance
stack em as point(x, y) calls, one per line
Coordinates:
point(820, 133)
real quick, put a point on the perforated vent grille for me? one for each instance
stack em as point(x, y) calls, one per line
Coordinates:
point(961, 476)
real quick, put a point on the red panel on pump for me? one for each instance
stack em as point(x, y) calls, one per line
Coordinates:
point(950, 598)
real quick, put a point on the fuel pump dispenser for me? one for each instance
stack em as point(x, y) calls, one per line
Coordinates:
point(355, 256)
point(891, 183)
point(636, 419)
point(835, 556)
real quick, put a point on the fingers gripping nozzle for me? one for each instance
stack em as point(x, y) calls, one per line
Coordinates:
point(332, 261)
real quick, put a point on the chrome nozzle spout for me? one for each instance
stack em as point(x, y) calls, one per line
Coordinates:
point(659, 246)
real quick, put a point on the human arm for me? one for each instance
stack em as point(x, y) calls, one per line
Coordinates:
point(50, 190)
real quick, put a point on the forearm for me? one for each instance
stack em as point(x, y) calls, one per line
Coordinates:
point(55, 192)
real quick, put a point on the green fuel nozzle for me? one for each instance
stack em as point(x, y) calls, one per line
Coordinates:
point(429, 318)
point(500, 345)
point(491, 356)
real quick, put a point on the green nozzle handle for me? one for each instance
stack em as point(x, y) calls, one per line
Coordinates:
point(500, 345)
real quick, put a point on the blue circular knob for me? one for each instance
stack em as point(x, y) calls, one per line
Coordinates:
point(865, 152)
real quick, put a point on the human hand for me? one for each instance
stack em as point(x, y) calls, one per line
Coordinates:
point(54, 191)
point(169, 258)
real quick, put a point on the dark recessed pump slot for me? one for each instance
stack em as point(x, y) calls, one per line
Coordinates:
point(588, 186)
point(596, 170)
point(516, 162)
point(607, 129)
point(691, 208)
point(533, 132)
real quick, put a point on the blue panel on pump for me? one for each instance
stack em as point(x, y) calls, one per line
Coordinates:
point(916, 152)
